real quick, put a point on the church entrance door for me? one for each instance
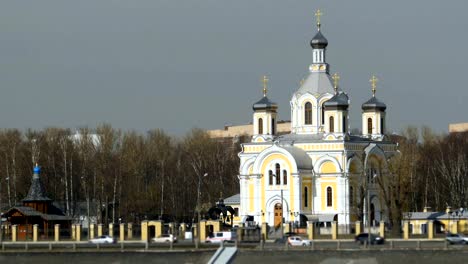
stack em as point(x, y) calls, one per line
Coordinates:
point(278, 214)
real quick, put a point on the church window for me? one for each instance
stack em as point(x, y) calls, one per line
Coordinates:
point(381, 126)
point(308, 113)
point(332, 124)
point(285, 177)
point(260, 126)
point(306, 197)
point(369, 125)
point(323, 114)
point(270, 177)
point(329, 197)
point(278, 174)
point(273, 126)
point(344, 124)
point(351, 196)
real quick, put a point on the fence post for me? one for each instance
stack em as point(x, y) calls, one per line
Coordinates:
point(57, 232)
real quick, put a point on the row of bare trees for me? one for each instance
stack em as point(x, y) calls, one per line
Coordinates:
point(431, 171)
point(115, 175)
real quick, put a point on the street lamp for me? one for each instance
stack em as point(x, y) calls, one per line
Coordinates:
point(198, 202)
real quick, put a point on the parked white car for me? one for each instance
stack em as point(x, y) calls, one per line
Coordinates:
point(103, 240)
point(166, 238)
point(220, 237)
point(298, 241)
point(456, 239)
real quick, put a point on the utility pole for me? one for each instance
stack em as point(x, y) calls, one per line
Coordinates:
point(282, 215)
point(198, 204)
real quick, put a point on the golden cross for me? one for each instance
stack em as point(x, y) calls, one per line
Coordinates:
point(336, 79)
point(373, 82)
point(265, 82)
point(318, 14)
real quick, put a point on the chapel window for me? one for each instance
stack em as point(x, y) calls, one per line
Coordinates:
point(344, 124)
point(278, 175)
point(306, 197)
point(329, 197)
point(323, 113)
point(308, 113)
point(351, 196)
point(260, 126)
point(273, 126)
point(332, 124)
point(270, 177)
point(285, 177)
point(369, 125)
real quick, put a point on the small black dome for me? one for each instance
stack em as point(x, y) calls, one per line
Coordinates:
point(374, 104)
point(339, 101)
point(319, 41)
point(265, 104)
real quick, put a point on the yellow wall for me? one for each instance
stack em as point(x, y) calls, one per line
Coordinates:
point(308, 184)
point(263, 169)
point(251, 195)
point(332, 183)
point(328, 167)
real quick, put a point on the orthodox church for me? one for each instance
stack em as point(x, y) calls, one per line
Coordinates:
point(319, 171)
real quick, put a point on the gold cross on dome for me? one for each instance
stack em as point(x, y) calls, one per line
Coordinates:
point(336, 79)
point(373, 82)
point(265, 82)
point(318, 14)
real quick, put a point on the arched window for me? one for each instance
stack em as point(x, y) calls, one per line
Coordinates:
point(270, 177)
point(323, 113)
point(278, 174)
point(308, 113)
point(381, 126)
point(260, 126)
point(285, 177)
point(351, 196)
point(369, 125)
point(332, 124)
point(306, 197)
point(273, 126)
point(329, 197)
point(344, 124)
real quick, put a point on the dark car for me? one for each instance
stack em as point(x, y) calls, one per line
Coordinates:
point(364, 238)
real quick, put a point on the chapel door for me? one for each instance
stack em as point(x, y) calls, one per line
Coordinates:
point(278, 215)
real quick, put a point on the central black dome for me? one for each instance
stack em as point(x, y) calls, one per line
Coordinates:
point(319, 41)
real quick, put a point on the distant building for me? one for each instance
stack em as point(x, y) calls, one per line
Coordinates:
point(458, 127)
point(37, 209)
point(283, 127)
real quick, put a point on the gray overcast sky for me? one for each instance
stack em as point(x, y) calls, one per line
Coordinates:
point(181, 64)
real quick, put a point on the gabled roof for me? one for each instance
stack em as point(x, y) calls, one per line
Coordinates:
point(28, 211)
point(235, 199)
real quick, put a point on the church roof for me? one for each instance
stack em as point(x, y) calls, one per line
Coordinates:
point(374, 104)
point(338, 100)
point(317, 83)
point(265, 104)
point(303, 160)
point(235, 199)
point(36, 191)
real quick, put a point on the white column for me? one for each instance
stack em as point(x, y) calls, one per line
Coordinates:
point(298, 193)
point(244, 193)
point(258, 197)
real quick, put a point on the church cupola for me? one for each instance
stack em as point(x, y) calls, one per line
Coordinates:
point(307, 103)
point(319, 44)
point(336, 110)
point(373, 114)
point(264, 117)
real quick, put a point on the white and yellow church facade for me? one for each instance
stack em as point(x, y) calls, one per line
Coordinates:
point(320, 171)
